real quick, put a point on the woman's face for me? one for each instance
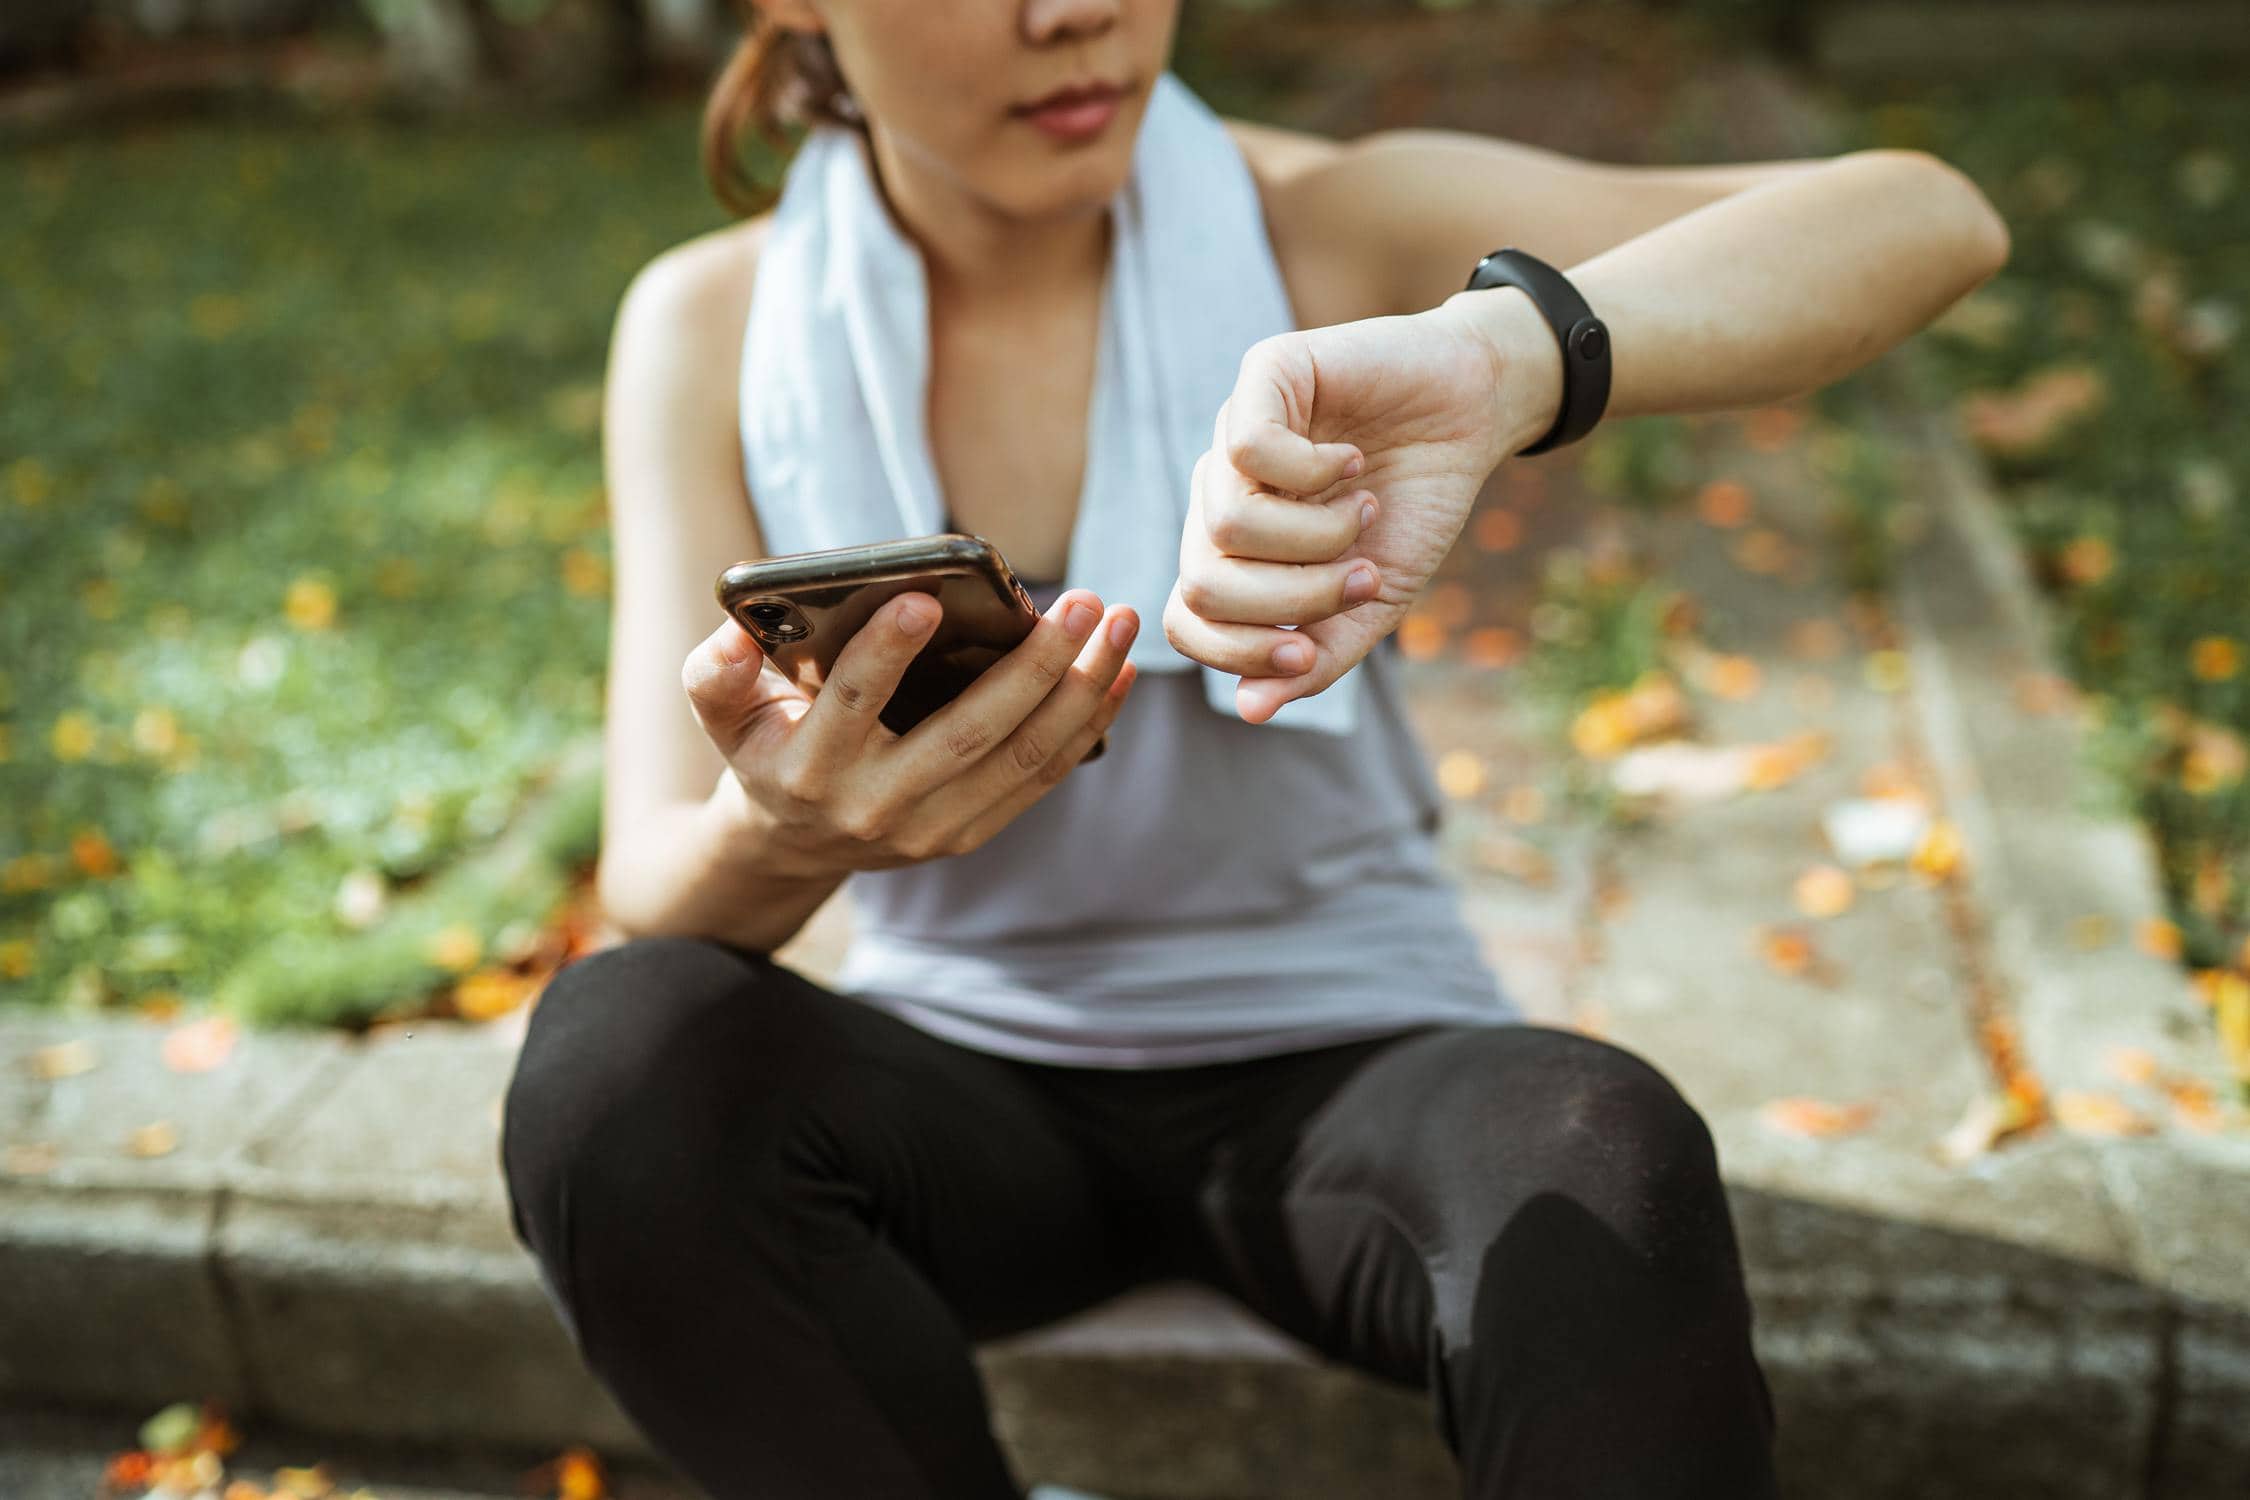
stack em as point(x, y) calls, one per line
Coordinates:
point(943, 82)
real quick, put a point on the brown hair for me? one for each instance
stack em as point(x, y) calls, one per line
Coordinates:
point(776, 78)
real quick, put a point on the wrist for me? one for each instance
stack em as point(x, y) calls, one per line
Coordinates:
point(740, 833)
point(1526, 362)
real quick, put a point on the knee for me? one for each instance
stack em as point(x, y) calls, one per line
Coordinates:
point(1586, 1129)
point(624, 1058)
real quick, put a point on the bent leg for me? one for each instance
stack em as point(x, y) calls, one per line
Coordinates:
point(1529, 1223)
point(775, 1218)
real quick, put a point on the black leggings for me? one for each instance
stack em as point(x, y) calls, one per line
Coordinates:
point(775, 1219)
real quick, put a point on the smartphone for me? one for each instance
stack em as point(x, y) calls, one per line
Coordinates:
point(801, 608)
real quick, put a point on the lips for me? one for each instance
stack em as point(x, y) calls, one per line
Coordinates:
point(1077, 93)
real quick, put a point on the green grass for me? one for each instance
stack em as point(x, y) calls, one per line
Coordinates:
point(2129, 205)
point(302, 533)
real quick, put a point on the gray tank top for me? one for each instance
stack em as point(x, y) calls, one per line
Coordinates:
point(1207, 890)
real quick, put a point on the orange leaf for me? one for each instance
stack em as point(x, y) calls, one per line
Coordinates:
point(200, 1046)
point(579, 1476)
point(1723, 503)
point(1802, 1115)
point(1824, 891)
point(2131, 1064)
point(2158, 938)
point(2086, 1113)
point(489, 994)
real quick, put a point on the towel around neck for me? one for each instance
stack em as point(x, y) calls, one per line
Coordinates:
point(836, 361)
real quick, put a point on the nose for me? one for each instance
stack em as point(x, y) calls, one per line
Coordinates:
point(1050, 20)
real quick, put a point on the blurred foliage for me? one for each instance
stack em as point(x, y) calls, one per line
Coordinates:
point(2103, 374)
point(303, 539)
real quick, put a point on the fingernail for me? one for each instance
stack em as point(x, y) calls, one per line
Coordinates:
point(1080, 618)
point(1359, 583)
point(1353, 465)
point(913, 619)
point(1292, 656)
point(1366, 514)
point(1121, 630)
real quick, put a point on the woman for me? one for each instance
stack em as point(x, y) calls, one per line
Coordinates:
point(1204, 1007)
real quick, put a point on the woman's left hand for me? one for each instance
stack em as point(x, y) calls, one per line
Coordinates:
point(1274, 528)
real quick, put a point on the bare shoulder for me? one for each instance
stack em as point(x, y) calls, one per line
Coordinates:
point(1276, 153)
point(1331, 277)
point(702, 285)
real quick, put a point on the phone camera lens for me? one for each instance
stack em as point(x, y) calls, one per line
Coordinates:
point(769, 613)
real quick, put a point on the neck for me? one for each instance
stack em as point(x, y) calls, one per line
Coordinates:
point(983, 261)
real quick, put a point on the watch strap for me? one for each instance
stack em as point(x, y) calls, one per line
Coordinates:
point(1584, 339)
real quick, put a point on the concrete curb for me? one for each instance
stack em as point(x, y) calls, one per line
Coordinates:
point(329, 1248)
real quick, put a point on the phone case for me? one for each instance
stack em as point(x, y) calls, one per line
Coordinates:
point(803, 607)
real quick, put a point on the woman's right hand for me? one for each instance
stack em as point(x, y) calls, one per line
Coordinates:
point(839, 790)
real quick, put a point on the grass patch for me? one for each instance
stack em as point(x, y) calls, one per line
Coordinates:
point(302, 535)
point(2104, 375)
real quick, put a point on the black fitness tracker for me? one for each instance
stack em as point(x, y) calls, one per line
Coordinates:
point(1584, 339)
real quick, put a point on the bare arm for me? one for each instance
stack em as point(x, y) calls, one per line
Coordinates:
point(683, 850)
point(1760, 295)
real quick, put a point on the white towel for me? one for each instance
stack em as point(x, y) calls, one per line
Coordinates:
point(836, 360)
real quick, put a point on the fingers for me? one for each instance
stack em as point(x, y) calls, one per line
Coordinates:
point(1242, 521)
point(866, 672)
point(1247, 591)
point(936, 750)
point(1029, 752)
point(1262, 425)
point(1005, 811)
point(731, 689)
point(1246, 650)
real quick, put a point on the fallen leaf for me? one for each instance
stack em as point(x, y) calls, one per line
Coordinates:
point(578, 1476)
point(1789, 950)
point(489, 994)
point(1492, 646)
point(1885, 671)
point(1734, 678)
point(1817, 639)
point(1496, 530)
point(2158, 937)
point(157, 1138)
point(1723, 503)
point(1460, 773)
point(65, 1060)
point(30, 1159)
point(2086, 1113)
point(2234, 1028)
point(199, 1046)
point(2194, 1106)
point(1761, 551)
point(1938, 855)
point(1420, 638)
point(1768, 429)
point(2131, 1064)
point(1990, 1118)
point(1803, 1115)
point(1518, 859)
point(1824, 891)
point(2091, 931)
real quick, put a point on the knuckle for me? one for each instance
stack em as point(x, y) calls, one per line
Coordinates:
point(921, 845)
point(967, 740)
point(796, 781)
point(1240, 445)
point(1050, 668)
point(850, 695)
point(864, 824)
point(1196, 594)
point(1027, 752)
point(1226, 527)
